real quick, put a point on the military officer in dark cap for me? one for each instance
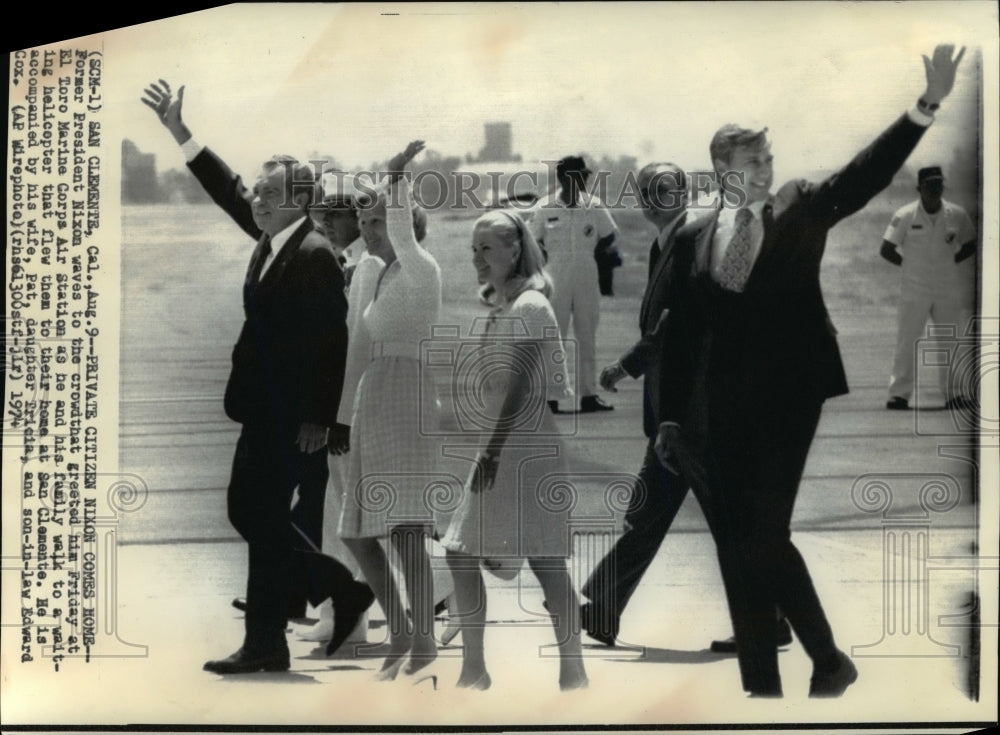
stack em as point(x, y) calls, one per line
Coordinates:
point(933, 241)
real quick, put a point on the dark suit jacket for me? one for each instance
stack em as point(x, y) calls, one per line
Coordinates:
point(289, 360)
point(775, 341)
point(644, 357)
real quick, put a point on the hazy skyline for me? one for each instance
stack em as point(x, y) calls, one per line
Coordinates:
point(652, 81)
point(647, 80)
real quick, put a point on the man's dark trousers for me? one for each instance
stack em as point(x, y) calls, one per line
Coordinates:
point(657, 495)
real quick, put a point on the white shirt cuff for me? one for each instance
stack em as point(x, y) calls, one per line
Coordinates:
point(919, 118)
point(191, 149)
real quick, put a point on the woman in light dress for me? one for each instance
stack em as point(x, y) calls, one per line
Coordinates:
point(391, 461)
point(513, 506)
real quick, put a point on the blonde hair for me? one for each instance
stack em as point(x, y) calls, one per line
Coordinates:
point(376, 196)
point(529, 272)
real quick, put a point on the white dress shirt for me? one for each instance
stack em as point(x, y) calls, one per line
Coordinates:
point(724, 234)
point(191, 148)
point(278, 242)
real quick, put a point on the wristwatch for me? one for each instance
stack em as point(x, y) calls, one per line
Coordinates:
point(928, 108)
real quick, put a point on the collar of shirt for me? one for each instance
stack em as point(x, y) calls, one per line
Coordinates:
point(727, 217)
point(668, 230)
point(921, 212)
point(584, 201)
point(724, 233)
point(278, 242)
point(354, 252)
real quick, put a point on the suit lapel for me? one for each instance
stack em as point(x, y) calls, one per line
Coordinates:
point(760, 265)
point(253, 268)
point(654, 261)
point(666, 254)
point(703, 244)
point(273, 275)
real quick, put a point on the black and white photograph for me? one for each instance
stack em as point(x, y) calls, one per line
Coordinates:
point(504, 366)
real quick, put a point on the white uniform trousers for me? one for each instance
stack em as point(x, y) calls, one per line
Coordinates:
point(949, 352)
point(576, 292)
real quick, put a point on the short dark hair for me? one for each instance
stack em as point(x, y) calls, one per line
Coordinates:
point(303, 179)
point(664, 169)
point(730, 137)
point(572, 165)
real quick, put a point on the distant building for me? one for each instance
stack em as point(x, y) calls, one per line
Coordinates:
point(496, 176)
point(139, 185)
point(497, 184)
point(499, 144)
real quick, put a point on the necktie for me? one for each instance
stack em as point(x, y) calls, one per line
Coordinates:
point(735, 268)
point(262, 260)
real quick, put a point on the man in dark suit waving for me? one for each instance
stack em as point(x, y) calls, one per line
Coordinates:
point(284, 386)
point(753, 309)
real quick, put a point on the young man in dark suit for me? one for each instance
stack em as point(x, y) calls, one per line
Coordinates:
point(659, 491)
point(753, 310)
point(284, 389)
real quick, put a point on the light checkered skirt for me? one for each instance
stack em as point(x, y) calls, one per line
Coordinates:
point(392, 466)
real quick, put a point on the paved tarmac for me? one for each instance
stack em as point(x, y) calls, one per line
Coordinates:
point(896, 576)
point(898, 609)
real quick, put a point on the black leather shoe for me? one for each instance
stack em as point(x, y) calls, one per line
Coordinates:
point(960, 402)
point(898, 403)
point(348, 607)
point(295, 611)
point(727, 645)
point(782, 635)
point(250, 662)
point(834, 683)
point(597, 629)
point(554, 406)
point(593, 404)
point(767, 694)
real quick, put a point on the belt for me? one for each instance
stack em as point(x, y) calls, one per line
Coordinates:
point(395, 349)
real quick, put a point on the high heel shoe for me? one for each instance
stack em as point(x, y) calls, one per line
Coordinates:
point(578, 683)
point(451, 629)
point(417, 662)
point(452, 626)
point(430, 677)
point(389, 672)
point(481, 684)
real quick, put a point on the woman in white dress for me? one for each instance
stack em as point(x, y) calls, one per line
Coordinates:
point(513, 508)
point(391, 461)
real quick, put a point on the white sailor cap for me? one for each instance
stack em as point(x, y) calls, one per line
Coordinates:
point(339, 187)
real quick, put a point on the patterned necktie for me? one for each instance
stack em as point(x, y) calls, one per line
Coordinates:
point(735, 267)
